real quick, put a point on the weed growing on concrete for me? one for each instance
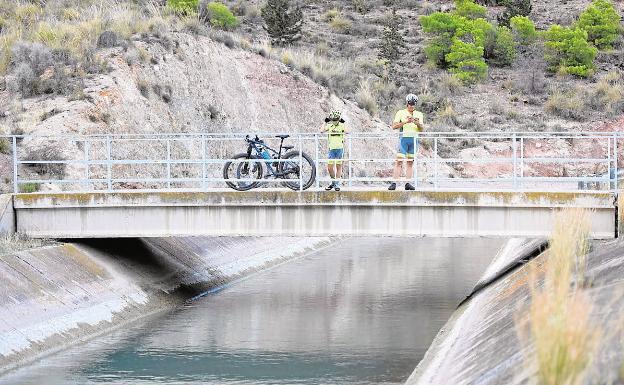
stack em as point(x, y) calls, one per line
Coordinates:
point(17, 242)
point(562, 338)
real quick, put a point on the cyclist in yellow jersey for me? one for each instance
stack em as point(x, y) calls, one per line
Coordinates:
point(409, 122)
point(336, 130)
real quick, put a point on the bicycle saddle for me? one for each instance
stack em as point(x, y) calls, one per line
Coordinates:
point(282, 136)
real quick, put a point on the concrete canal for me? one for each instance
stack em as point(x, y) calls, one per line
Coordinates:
point(362, 310)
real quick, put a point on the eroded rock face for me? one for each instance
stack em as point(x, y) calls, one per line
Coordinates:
point(199, 86)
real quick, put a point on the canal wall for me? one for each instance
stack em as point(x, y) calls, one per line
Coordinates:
point(7, 214)
point(52, 297)
point(480, 344)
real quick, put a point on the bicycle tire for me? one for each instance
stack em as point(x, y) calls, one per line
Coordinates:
point(308, 163)
point(257, 170)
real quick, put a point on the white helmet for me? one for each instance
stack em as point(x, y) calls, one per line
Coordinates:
point(411, 99)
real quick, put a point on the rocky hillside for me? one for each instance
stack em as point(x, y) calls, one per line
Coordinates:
point(74, 66)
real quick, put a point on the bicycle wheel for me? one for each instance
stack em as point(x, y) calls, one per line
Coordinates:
point(290, 170)
point(238, 168)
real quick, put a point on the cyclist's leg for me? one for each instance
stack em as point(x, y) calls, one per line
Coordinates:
point(400, 160)
point(409, 154)
point(339, 156)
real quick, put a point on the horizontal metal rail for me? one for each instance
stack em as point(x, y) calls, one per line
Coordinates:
point(117, 162)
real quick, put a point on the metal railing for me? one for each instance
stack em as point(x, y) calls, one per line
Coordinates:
point(451, 160)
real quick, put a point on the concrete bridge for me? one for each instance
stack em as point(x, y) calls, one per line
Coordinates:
point(309, 213)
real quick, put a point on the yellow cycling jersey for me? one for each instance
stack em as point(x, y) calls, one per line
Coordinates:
point(409, 129)
point(335, 135)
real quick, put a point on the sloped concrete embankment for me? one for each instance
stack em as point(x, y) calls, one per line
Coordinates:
point(55, 296)
point(480, 343)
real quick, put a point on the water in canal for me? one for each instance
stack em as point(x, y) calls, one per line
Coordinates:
point(363, 310)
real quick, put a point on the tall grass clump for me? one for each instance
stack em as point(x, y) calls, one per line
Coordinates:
point(560, 331)
point(366, 99)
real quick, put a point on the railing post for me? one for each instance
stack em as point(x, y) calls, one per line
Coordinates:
point(109, 172)
point(168, 163)
point(515, 162)
point(300, 164)
point(350, 183)
point(414, 164)
point(203, 184)
point(435, 162)
point(615, 163)
point(15, 183)
point(521, 160)
point(316, 160)
point(87, 144)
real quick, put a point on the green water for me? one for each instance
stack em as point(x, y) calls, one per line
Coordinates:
point(360, 312)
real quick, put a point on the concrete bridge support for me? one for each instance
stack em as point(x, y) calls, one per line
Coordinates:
point(310, 213)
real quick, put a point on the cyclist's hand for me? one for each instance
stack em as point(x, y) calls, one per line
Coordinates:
point(410, 120)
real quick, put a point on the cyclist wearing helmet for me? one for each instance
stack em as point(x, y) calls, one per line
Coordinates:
point(336, 130)
point(409, 122)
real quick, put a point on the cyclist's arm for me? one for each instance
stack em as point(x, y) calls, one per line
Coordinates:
point(324, 127)
point(398, 125)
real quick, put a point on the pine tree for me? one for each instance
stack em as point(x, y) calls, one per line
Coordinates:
point(392, 42)
point(514, 8)
point(282, 23)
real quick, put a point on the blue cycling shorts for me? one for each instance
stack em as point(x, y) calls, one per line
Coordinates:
point(335, 156)
point(407, 147)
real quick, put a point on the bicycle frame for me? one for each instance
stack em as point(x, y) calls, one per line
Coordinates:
point(257, 146)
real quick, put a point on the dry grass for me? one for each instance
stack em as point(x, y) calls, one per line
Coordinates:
point(16, 242)
point(340, 24)
point(570, 104)
point(561, 334)
point(608, 95)
point(75, 29)
point(366, 98)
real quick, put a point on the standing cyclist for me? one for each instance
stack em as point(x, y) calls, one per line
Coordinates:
point(409, 122)
point(336, 130)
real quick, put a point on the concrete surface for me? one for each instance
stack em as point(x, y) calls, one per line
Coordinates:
point(7, 214)
point(309, 213)
point(480, 343)
point(55, 296)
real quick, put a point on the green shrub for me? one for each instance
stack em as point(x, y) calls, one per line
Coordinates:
point(392, 42)
point(514, 8)
point(477, 31)
point(602, 23)
point(504, 50)
point(443, 27)
point(568, 51)
point(29, 188)
point(5, 146)
point(183, 6)
point(219, 16)
point(466, 61)
point(282, 22)
point(470, 10)
point(523, 29)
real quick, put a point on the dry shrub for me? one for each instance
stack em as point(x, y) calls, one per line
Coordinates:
point(366, 98)
point(447, 116)
point(340, 24)
point(569, 104)
point(608, 95)
point(560, 330)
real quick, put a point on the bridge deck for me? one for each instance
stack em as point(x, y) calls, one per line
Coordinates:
point(310, 213)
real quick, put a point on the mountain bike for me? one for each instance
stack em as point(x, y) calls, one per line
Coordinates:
point(248, 169)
